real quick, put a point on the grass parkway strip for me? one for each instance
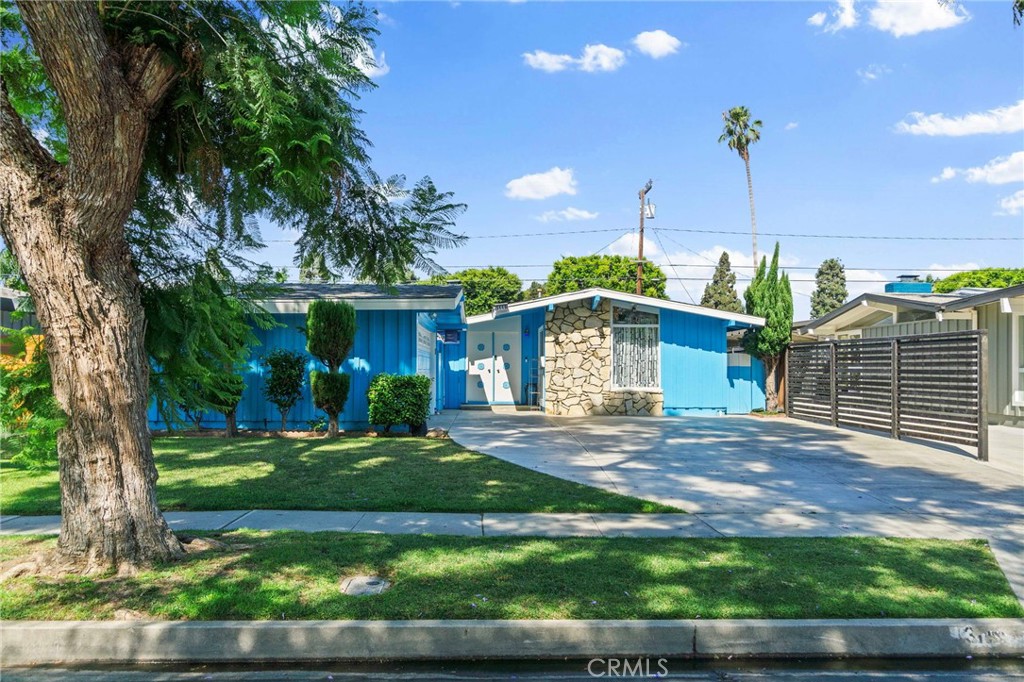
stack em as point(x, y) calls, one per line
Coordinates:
point(295, 576)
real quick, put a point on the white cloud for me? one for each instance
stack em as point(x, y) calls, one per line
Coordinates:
point(792, 125)
point(873, 72)
point(593, 58)
point(371, 65)
point(844, 16)
point(567, 214)
point(817, 19)
point(948, 173)
point(657, 44)
point(1008, 119)
point(601, 58)
point(910, 17)
point(999, 171)
point(542, 185)
point(1012, 205)
point(546, 61)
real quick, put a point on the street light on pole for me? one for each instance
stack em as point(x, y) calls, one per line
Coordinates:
point(640, 252)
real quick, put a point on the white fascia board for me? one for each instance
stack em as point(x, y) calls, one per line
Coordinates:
point(285, 306)
point(623, 298)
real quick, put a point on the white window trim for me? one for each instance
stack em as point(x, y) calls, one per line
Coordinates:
point(611, 357)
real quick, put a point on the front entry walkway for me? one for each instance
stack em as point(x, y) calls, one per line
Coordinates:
point(776, 476)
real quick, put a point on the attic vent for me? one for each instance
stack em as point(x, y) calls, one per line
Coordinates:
point(501, 308)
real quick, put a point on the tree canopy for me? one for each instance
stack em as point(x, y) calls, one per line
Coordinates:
point(720, 292)
point(986, 278)
point(141, 143)
point(830, 288)
point(617, 273)
point(770, 296)
point(485, 287)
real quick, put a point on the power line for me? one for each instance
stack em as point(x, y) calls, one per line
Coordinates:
point(846, 236)
point(799, 235)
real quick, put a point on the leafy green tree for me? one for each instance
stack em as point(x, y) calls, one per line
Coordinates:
point(830, 288)
point(199, 335)
point(986, 278)
point(221, 113)
point(30, 418)
point(485, 287)
point(330, 333)
point(770, 296)
point(535, 290)
point(720, 292)
point(286, 375)
point(617, 273)
point(739, 132)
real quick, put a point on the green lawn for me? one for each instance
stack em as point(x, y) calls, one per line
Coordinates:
point(356, 474)
point(293, 576)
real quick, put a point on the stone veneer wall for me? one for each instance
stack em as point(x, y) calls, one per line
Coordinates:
point(577, 365)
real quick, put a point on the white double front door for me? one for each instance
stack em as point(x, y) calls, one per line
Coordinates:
point(494, 365)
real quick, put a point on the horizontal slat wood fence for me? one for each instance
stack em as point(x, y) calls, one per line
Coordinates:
point(929, 386)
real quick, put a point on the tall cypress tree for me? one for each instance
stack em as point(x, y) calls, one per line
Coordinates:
point(830, 292)
point(770, 296)
point(720, 293)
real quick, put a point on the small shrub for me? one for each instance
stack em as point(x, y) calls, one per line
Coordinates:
point(330, 393)
point(318, 424)
point(30, 417)
point(285, 381)
point(399, 399)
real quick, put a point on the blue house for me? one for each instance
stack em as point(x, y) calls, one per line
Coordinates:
point(597, 351)
point(398, 332)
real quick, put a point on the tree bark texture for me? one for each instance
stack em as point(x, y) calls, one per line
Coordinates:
point(65, 226)
point(771, 393)
point(332, 426)
point(231, 423)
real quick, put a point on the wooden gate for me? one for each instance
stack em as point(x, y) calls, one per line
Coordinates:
point(930, 386)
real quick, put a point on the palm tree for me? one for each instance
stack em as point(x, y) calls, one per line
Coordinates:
point(739, 133)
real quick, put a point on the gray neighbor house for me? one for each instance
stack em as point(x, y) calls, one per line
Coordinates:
point(909, 307)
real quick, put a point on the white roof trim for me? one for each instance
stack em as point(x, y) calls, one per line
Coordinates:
point(284, 306)
point(624, 298)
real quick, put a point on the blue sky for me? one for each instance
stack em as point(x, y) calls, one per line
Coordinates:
point(466, 98)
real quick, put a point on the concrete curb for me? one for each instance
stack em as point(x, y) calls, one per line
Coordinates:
point(123, 642)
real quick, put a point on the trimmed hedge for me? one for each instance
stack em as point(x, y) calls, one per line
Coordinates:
point(330, 391)
point(399, 399)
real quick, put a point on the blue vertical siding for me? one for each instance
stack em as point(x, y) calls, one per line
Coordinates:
point(453, 360)
point(385, 342)
point(694, 367)
point(746, 388)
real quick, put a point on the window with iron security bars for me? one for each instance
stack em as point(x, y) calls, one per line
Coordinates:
point(635, 349)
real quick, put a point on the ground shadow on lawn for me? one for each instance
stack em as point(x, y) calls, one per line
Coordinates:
point(350, 474)
point(295, 576)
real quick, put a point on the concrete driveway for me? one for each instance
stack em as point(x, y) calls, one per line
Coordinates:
point(753, 476)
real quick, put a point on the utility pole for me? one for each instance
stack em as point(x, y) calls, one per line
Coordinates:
point(640, 252)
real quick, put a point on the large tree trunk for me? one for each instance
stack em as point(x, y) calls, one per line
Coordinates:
point(753, 215)
point(771, 392)
point(332, 426)
point(65, 226)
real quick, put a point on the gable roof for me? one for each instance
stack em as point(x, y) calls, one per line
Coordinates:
point(736, 319)
point(296, 297)
point(935, 303)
